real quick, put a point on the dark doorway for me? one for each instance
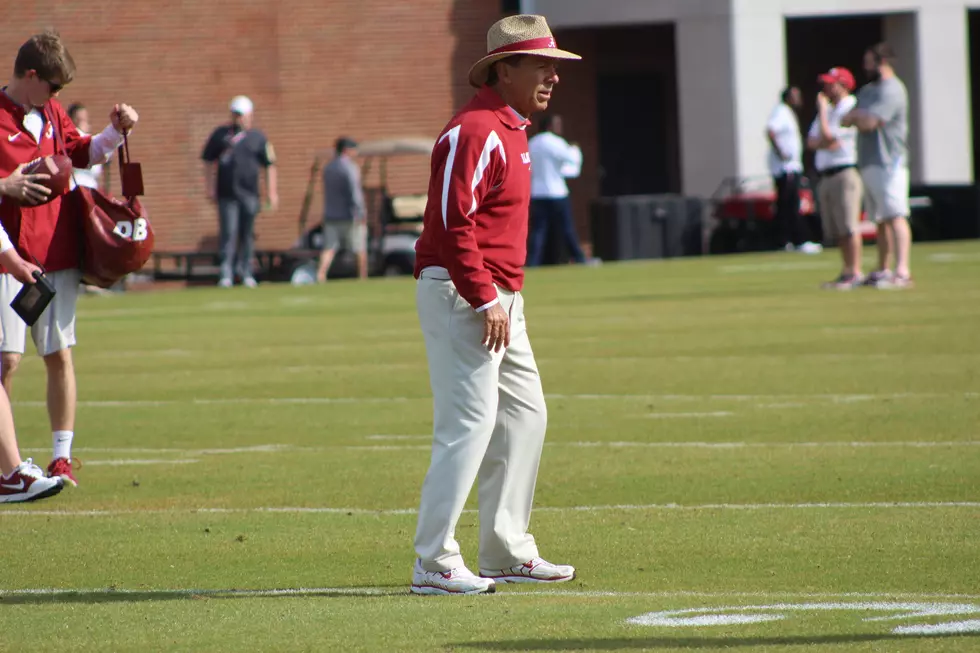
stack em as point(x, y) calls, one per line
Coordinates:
point(632, 112)
point(974, 18)
point(815, 45)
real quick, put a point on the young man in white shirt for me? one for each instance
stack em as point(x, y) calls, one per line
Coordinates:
point(786, 168)
point(840, 191)
point(553, 160)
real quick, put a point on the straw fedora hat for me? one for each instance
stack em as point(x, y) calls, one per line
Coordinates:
point(523, 34)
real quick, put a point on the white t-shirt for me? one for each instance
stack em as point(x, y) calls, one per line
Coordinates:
point(786, 129)
point(846, 154)
point(552, 160)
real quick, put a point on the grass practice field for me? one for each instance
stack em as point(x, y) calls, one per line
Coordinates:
point(735, 459)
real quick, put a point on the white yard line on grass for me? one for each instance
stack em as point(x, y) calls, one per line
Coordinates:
point(717, 413)
point(290, 401)
point(127, 463)
point(516, 593)
point(597, 444)
point(559, 509)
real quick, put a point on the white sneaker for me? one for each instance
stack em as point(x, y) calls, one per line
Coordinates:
point(225, 282)
point(811, 248)
point(537, 570)
point(28, 483)
point(456, 581)
point(250, 282)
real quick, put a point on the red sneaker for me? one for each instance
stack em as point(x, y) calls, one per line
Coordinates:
point(28, 483)
point(62, 467)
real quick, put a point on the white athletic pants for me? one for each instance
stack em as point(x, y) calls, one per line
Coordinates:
point(489, 421)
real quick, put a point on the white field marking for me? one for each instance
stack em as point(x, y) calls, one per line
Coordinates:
point(734, 615)
point(557, 509)
point(290, 401)
point(950, 628)
point(718, 413)
point(536, 592)
point(771, 267)
point(951, 257)
point(612, 444)
point(138, 461)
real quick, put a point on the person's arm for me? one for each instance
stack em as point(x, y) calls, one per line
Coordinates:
point(14, 186)
point(210, 154)
point(771, 127)
point(356, 192)
point(822, 136)
point(469, 164)
point(874, 116)
point(268, 161)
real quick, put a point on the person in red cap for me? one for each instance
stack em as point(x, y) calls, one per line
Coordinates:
point(489, 407)
point(840, 192)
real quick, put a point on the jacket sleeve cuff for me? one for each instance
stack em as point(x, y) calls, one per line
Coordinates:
point(494, 302)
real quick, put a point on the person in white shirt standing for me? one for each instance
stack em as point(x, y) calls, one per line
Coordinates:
point(87, 177)
point(553, 160)
point(786, 168)
point(840, 191)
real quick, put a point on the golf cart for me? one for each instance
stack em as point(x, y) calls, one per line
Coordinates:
point(394, 217)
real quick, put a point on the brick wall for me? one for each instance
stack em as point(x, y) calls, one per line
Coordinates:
point(315, 69)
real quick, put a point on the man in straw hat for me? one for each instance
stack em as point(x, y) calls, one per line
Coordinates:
point(489, 408)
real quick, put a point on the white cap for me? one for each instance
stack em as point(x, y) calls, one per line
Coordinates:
point(241, 105)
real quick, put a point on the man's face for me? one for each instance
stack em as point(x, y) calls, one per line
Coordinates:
point(528, 85)
point(833, 90)
point(242, 120)
point(871, 68)
point(81, 120)
point(40, 90)
point(795, 98)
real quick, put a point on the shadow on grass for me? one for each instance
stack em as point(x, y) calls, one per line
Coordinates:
point(691, 643)
point(109, 595)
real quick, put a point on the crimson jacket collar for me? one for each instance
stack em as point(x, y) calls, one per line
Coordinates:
point(490, 99)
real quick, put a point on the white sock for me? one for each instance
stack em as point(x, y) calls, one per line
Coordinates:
point(62, 443)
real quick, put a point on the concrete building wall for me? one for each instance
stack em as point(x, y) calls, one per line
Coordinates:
point(731, 66)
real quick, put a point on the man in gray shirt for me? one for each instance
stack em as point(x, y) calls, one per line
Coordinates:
point(881, 117)
point(344, 215)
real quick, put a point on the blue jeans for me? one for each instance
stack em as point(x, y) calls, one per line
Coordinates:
point(236, 235)
point(549, 215)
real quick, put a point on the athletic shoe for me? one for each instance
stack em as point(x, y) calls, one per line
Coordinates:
point(537, 570)
point(844, 282)
point(28, 483)
point(878, 278)
point(250, 282)
point(811, 248)
point(455, 581)
point(61, 467)
point(225, 282)
point(896, 283)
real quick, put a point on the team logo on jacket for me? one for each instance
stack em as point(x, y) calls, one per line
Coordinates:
point(50, 132)
point(526, 158)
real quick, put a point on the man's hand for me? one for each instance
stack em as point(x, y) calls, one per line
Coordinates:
point(496, 328)
point(18, 267)
point(25, 188)
point(273, 202)
point(123, 118)
point(822, 102)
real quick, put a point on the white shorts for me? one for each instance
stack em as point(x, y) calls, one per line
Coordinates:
point(886, 192)
point(345, 234)
point(55, 329)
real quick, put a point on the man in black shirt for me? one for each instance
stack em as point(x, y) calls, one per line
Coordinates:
point(233, 156)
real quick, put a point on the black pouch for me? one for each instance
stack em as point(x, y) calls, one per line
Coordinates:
point(33, 298)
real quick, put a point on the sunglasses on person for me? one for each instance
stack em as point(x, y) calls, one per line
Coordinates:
point(54, 87)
